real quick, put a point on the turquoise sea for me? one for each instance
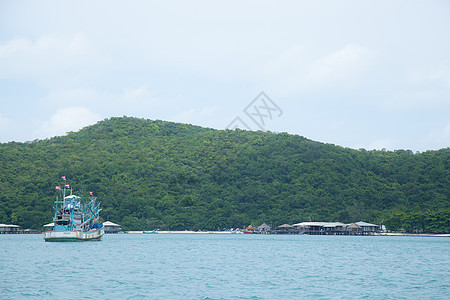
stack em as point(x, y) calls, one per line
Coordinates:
point(225, 266)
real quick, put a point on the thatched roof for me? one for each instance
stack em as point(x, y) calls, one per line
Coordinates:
point(264, 226)
point(353, 225)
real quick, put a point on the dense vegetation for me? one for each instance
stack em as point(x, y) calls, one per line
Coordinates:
point(156, 174)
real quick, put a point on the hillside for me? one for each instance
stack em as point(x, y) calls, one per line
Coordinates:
point(156, 174)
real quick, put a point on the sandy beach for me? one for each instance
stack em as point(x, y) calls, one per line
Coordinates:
point(414, 234)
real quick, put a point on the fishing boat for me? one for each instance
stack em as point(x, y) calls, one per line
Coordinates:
point(250, 230)
point(75, 219)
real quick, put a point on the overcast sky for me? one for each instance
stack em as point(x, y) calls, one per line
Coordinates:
point(360, 74)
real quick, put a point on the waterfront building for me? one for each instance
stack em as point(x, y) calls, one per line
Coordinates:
point(286, 229)
point(367, 227)
point(9, 228)
point(111, 227)
point(353, 228)
point(336, 228)
point(310, 227)
point(264, 228)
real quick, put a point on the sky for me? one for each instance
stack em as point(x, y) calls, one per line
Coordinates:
point(359, 74)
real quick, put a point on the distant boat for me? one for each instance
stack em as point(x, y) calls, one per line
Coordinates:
point(250, 230)
point(75, 219)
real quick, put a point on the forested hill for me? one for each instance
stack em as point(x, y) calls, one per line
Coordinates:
point(156, 174)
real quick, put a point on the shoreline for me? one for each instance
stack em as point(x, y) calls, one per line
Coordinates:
point(179, 232)
point(234, 232)
point(414, 234)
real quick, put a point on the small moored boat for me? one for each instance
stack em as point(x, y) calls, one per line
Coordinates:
point(75, 219)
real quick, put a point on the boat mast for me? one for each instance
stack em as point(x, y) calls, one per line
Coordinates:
point(64, 178)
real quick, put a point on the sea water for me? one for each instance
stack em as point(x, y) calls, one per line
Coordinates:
point(226, 266)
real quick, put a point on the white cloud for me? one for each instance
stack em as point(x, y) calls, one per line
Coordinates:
point(68, 119)
point(439, 137)
point(63, 110)
point(432, 74)
point(3, 121)
point(136, 93)
point(71, 97)
point(342, 66)
point(416, 100)
point(47, 57)
point(166, 61)
point(295, 70)
point(427, 87)
point(442, 76)
point(289, 62)
point(132, 101)
point(5, 124)
point(195, 116)
point(140, 97)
